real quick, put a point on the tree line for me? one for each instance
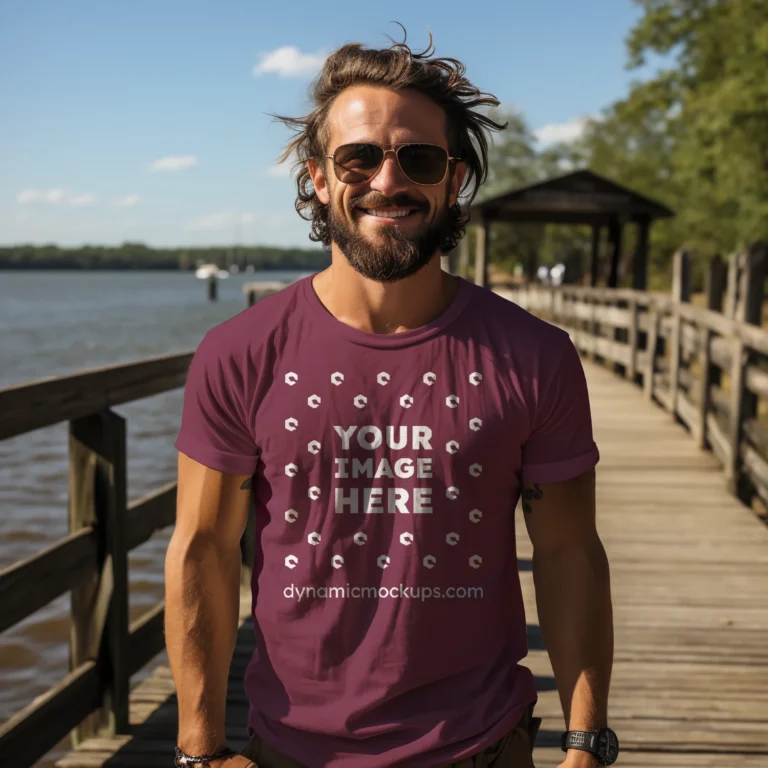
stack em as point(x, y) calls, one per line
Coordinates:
point(694, 137)
point(140, 256)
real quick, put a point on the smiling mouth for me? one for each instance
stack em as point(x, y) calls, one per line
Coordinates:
point(389, 216)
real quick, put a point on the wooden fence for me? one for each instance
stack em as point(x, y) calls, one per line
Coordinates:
point(707, 366)
point(92, 561)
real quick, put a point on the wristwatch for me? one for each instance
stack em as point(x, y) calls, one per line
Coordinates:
point(602, 743)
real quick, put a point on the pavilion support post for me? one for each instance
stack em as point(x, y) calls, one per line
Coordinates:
point(615, 236)
point(640, 261)
point(481, 253)
point(594, 264)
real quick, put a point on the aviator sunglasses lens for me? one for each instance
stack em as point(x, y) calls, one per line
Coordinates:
point(421, 163)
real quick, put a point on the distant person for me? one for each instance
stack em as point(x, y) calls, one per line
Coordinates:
point(386, 417)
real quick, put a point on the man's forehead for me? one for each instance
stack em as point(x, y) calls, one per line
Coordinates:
point(371, 114)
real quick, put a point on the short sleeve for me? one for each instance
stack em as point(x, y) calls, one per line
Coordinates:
point(213, 429)
point(561, 444)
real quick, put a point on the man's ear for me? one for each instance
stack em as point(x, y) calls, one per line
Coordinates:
point(319, 181)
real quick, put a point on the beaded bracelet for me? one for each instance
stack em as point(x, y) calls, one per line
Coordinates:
point(182, 758)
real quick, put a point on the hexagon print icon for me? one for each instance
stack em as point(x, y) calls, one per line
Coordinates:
point(313, 538)
point(406, 538)
point(314, 493)
point(429, 561)
point(429, 378)
point(475, 470)
point(475, 561)
point(291, 424)
point(291, 470)
point(452, 401)
point(314, 446)
point(361, 401)
point(452, 492)
point(337, 378)
point(291, 516)
point(452, 447)
point(475, 424)
point(291, 378)
point(337, 561)
point(452, 539)
point(406, 401)
point(383, 378)
point(475, 515)
point(313, 401)
point(291, 561)
point(475, 378)
point(383, 561)
point(360, 538)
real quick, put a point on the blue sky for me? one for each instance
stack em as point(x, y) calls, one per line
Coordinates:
point(147, 119)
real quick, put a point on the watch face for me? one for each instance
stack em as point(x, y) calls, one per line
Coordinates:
point(608, 746)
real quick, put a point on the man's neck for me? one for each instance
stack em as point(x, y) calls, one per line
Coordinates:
point(375, 307)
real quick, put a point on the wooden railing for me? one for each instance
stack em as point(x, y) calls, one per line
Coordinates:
point(92, 561)
point(707, 366)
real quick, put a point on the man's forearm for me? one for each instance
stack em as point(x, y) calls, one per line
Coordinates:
point(576, 617)
point(201, 616)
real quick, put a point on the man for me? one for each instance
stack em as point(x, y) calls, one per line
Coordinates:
point(386, 417)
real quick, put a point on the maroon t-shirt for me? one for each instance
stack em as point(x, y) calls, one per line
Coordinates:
point(387, 467)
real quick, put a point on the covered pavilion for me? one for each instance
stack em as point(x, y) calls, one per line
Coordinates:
point(581, 197)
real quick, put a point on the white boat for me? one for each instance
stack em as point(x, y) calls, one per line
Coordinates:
point(204, 271)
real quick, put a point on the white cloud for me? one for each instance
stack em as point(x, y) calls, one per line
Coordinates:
point(40, 196)
point(289, 61)
point(174, 163)
point(126, 202)
point(211, 222)
point(556, 132)
point(226, 220)
point(81, 200)
point(280, 171)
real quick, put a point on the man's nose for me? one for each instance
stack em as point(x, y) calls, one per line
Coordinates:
point(390, 179)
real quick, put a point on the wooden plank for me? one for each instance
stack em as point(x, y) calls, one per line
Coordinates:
point(31, 584)
point(147, 638)
point(25, 407)
point(150, 513)
point(41, 725)
point(718, 441)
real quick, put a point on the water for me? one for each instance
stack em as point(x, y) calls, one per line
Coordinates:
point(54, 323)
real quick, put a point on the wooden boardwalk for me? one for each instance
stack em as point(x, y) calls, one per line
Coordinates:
point(689, 569)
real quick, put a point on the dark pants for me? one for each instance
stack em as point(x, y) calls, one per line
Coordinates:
point(513, 750)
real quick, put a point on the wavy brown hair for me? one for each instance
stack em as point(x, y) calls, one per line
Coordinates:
point(395, 68)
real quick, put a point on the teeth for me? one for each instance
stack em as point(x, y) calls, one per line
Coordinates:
point(388, 214)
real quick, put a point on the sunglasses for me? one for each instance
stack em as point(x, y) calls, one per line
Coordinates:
point(425, 164)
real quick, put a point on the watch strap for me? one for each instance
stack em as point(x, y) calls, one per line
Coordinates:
point(586, 741)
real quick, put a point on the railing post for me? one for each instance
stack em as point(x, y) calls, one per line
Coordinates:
point(632, 341)
point(715, 287)
point(651, 344)
point(97, 497)
point(681, 293)
point(743, 405)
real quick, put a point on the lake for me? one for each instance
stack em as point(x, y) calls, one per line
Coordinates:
point(54, 323)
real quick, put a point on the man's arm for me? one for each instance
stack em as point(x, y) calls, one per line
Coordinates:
point(573, 597)
point(202, 598)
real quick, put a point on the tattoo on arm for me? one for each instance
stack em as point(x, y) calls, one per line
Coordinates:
point(531, 494)
point(247, 485)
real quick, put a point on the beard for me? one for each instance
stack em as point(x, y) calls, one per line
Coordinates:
point(392, 253)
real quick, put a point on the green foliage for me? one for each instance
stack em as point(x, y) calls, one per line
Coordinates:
point(140, 256)
point(696, 135)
